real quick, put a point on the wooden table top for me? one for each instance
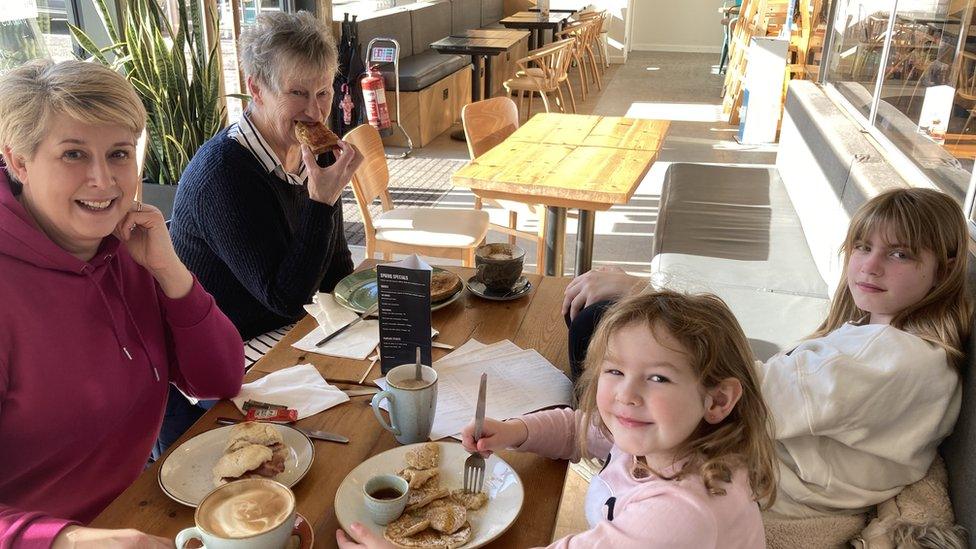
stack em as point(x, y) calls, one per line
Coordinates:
point(534, 18)
point(528, 322)
point(568, 160)
point(484, 45)
point(491, 33)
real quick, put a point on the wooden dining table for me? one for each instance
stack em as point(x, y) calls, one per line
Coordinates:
point(528, 322)
point(568, 161)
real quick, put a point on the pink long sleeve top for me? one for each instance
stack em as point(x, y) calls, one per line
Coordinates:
point(645, 513)
point(87, 352)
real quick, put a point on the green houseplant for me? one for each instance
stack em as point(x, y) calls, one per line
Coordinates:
point(176, 74)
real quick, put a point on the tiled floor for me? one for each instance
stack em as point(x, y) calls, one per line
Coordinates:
point(680, 87)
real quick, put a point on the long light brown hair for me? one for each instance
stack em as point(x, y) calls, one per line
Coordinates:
point(920, 219)
point(717, 349)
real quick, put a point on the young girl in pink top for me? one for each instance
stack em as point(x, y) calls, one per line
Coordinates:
point(670, 400)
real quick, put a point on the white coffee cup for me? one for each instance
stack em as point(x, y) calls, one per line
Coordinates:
point(253, 513)
point(412, 403)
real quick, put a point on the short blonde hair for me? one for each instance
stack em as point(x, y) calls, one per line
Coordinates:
point(920, 219)
point(88, 92)
point(280, 42)
point(717, 349)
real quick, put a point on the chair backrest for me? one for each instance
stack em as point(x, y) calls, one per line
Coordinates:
point(575, 31)
point(553, 60)
point(487, 123)
point(372, 179)
point(966, 87)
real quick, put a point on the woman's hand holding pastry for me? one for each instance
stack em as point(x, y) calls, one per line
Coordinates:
point(325, 184)
point(495, 435)
point(143, 230)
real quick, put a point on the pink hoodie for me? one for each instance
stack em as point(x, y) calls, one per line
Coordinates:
point(87, 350)
point(625, 512)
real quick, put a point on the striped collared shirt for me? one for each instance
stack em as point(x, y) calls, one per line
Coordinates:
point(247, 134)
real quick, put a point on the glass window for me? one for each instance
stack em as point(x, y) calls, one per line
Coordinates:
point(248, 11)
point(31, 29)
point(923, 53)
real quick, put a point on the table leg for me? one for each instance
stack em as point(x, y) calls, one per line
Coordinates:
point(476, 78)
point(488, 88)
point(555, 240)
point(458, 135)
point(584, 241)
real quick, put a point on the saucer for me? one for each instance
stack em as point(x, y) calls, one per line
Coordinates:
point(302, 536)
point(522, 287)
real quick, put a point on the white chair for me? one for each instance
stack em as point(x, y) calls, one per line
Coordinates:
point(446, 233)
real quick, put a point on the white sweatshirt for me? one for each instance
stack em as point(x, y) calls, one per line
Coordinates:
point(859, 414)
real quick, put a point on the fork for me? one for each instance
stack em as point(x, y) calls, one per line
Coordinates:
point(474, 466)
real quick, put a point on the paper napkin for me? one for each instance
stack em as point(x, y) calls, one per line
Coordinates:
point(299, 387)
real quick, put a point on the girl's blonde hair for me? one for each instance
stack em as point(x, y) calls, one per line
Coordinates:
point(87, 92)
point(919, 219)
point(717, 349)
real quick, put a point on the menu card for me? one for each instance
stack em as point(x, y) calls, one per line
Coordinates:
point(403, 290)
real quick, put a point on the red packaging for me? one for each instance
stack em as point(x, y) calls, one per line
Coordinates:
point(275, 416)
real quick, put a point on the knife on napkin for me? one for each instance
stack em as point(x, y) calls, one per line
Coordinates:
point(318, 435)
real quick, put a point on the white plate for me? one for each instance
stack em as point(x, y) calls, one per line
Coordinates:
point(186, 475)
point(502, 484)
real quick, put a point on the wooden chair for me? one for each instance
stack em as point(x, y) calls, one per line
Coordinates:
point(486, 124)
point(447, 233)
point(552, 62)
point(598, 38)
point(591, 39)
point(576, 32)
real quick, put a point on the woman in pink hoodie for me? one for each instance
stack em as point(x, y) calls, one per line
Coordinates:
point(98, 313)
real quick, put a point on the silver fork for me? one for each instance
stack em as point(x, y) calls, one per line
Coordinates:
point(474, 466)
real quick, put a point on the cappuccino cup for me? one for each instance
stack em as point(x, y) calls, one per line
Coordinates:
point(499, 265)
point(412, 403)
point(253, 513)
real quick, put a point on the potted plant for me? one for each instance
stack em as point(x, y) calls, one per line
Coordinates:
point(177, 75)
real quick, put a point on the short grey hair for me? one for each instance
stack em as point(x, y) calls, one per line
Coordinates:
point(281, 41)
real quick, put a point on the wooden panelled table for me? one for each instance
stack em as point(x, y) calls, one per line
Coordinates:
point(532, 323)
point(479, 43)
point(537, 23)
point(568, 161)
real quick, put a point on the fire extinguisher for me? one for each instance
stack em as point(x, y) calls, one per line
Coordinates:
point(374, 94)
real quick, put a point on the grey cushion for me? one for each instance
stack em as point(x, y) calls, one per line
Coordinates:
point(421, 70)
point(958, 450)
point(465, 15)
point(393, 23)
point(733, 226)
point(430, 21)
point(492, 11)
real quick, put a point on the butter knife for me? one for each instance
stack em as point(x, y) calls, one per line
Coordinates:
point(357, 320)
point(318, 435)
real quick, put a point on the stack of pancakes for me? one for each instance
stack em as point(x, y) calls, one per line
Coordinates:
point(443, 285)
point(435, 516)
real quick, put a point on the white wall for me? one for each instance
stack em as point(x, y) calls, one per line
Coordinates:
point(677, 25)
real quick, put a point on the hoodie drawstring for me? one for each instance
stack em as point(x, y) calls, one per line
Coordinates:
point(115, 328)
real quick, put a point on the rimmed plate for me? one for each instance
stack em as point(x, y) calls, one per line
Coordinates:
point(502, 484)
point(522, 287)
point(186, 473)
point(357, 291)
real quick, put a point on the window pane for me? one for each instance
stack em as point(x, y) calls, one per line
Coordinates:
point(31, 29)
point(859, 28)
point(228, 52)
point(927, 95)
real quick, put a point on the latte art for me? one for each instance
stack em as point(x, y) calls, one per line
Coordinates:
point(247, 513)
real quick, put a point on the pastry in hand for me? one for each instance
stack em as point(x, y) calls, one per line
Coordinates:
point(318, 138)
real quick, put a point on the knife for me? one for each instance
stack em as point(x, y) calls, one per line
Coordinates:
point(318, 435)
point(357, 320)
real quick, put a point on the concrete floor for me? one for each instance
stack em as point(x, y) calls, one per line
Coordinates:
point(681, 87)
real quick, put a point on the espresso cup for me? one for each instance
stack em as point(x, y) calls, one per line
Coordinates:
point(253, 513)
point(412, 403)
point(499, 265)
point(386, 497)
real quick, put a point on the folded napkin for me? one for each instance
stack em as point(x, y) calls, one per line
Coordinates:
point(356, 343)
point(299, 387)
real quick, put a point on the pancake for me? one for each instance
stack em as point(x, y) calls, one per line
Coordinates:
point(447, 518)
point(443, 284)
point(431, 538)
point(469, 500)
point(427, 456)
point(418, 477)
